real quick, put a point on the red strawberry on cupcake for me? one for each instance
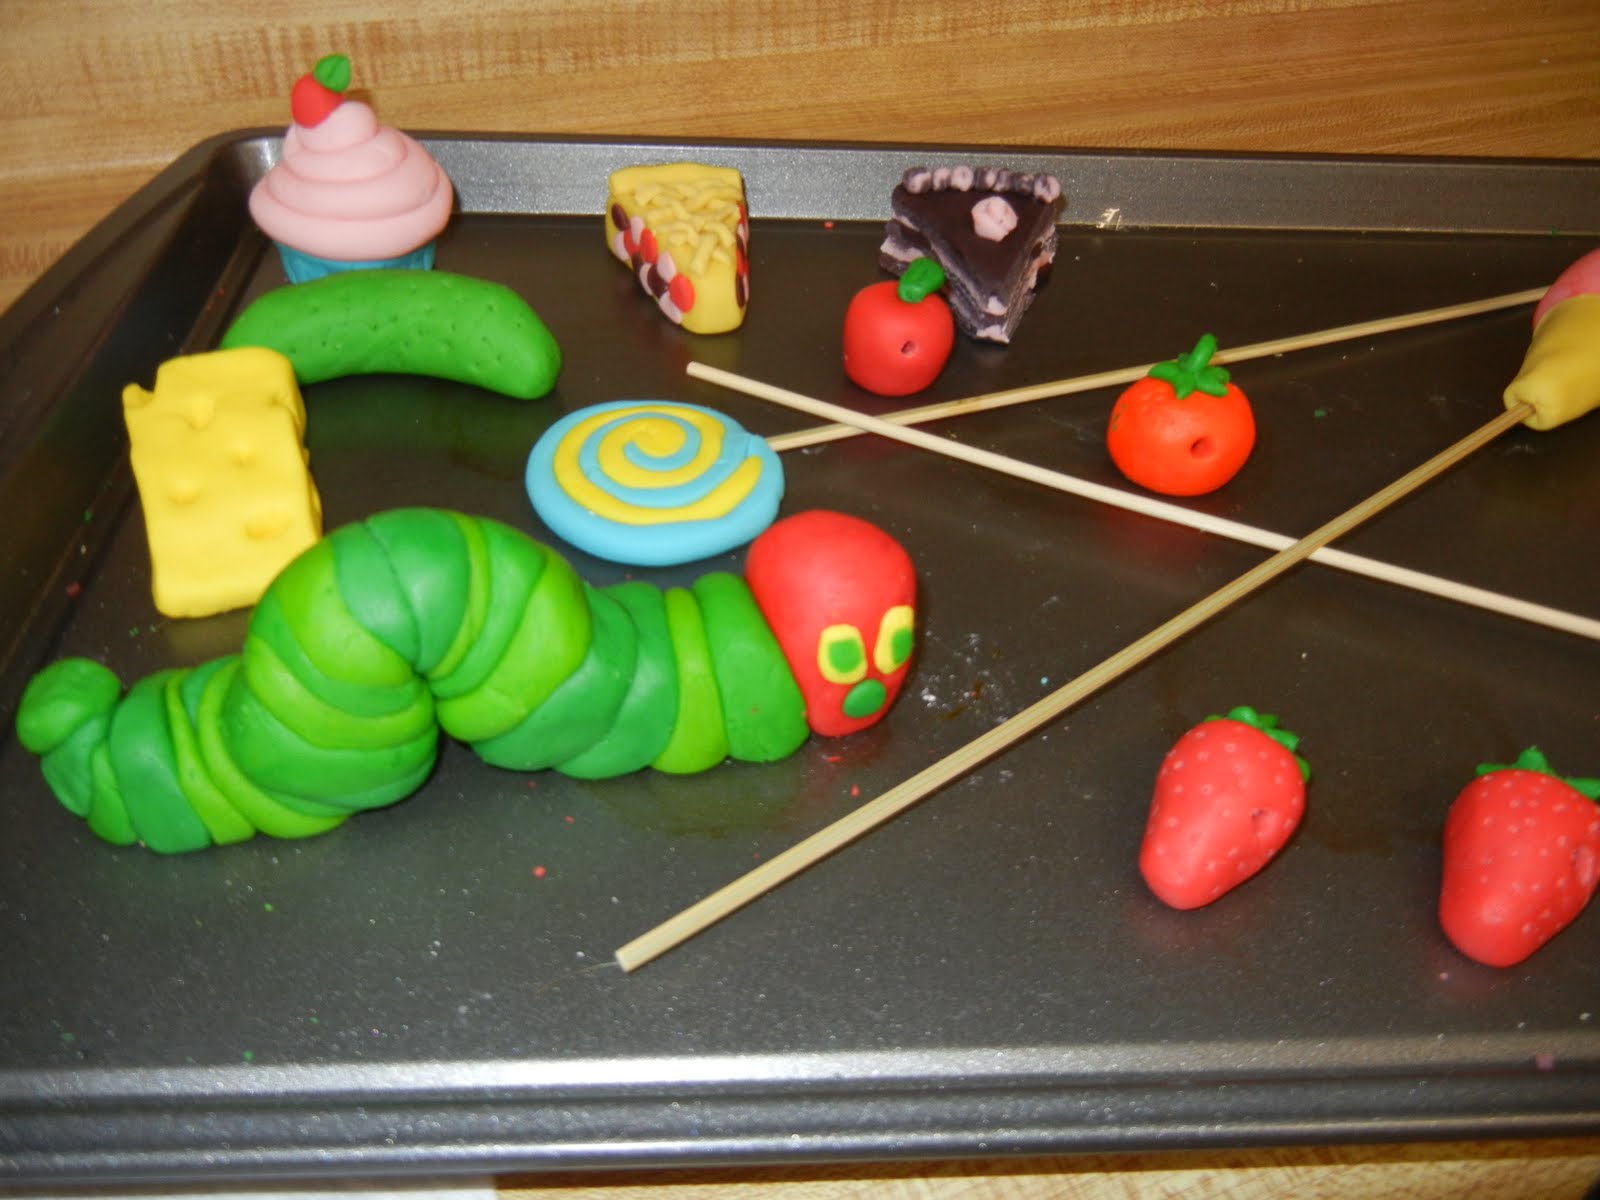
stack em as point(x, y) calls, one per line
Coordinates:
point(321, 90)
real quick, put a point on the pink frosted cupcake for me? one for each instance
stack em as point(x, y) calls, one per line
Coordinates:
point(348, 193)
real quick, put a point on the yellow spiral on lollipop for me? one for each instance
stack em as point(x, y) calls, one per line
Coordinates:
point(659, 432)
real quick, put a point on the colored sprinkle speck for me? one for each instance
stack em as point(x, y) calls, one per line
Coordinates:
point(74, 589)
point(266, 907)
point(568, 818)
point(538, 872)
point(248, 1056)
point(1319, 413)
point(68, 1038)
point(855, 789)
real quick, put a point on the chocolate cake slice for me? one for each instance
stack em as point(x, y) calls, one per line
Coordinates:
point(992, 230)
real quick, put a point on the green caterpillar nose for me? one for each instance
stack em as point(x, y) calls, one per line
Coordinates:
point(866, 698)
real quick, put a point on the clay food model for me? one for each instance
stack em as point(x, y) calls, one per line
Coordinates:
point(1184, 429)
point(684, 230)
point(347, 193)
point(1228, 796)
point(898, 334)
point(219, 457)
point(417, 620)
point(652, 483)
point(405, 322)
point(992, 230)
point(847, 633)
point(1560, 376)
point(1521, 859)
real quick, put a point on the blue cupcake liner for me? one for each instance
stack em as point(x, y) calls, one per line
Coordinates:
point(301, 267)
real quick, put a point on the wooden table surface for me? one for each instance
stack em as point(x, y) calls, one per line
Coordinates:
point(97, 95)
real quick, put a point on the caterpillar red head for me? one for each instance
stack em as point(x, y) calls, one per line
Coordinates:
point(840, 596)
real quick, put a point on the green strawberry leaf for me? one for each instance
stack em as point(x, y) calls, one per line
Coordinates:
point(1267, 723)
point(332, 72)
point(1533, 759)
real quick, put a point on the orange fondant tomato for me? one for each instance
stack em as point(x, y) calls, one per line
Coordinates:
point(1183, 430)
point(898, 334)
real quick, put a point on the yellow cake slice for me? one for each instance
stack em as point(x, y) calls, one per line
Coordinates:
point(684, 230)
point(219, 457)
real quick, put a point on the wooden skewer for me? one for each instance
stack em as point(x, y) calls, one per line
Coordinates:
point(1126, 375)
point(1508, 606)
point(902, 796)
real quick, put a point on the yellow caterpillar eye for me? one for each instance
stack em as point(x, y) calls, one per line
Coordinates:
point(841, 654)
point(894, 643)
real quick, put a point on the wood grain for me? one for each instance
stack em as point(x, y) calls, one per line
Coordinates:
point(97, 95)
point(1560, 1169)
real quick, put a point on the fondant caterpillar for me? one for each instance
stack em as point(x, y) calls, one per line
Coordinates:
point(420, 620)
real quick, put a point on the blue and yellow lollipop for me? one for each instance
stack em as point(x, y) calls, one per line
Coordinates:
point(653, 483)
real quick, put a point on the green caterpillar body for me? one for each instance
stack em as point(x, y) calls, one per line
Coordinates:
point(399, 321)
point(384, 634)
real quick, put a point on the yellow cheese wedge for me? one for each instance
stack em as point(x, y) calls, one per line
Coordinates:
point(1560, 376)
point(685, 232)
point(219, 457)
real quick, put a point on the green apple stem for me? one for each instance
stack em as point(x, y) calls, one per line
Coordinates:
point(922, 278)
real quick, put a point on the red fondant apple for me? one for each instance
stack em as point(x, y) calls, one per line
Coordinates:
point(898, 333)
point(318, 92)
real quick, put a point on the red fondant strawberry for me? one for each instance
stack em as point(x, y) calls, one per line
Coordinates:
point(1521, 859)
point(1228, 795)
point(318, 92)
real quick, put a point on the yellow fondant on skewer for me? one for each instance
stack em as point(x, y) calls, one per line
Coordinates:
point(1560, 376)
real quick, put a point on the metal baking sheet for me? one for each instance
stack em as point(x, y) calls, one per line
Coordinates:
point(431, 988)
